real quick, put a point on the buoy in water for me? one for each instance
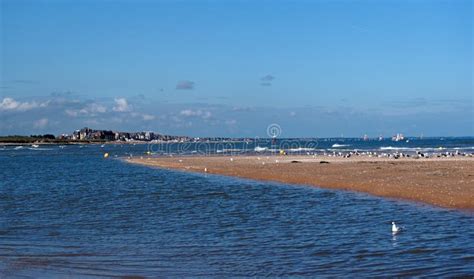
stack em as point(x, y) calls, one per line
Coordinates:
point(106, 155)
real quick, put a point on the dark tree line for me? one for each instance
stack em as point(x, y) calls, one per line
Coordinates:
point(45, 136)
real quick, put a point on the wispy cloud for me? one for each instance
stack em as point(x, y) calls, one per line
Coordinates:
point(148, 117)
point(204, 114)
point(359, 28)
point(121, 105)
point(24, 81)
point(185, 85)
point(91, 109)
point(41, 123)
point(231, 122)
point(10, 104)
point(424, 105)
point(243, 108)
point(267, 78)
point(143, 116)
point(62, 113)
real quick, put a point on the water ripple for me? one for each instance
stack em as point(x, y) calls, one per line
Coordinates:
point(70, 213)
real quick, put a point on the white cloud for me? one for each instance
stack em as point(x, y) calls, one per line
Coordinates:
point(71, 112)
point(144, 116)
point(121, 105)
point(41, 123)
point(97, 108)
point(231, 122)
point(185, 85)
point(187, 112)
point(89, 110)
point(204, 114)
point(9, 104)
point(148, 117)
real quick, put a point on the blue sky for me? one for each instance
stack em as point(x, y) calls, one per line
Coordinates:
point(231, 68)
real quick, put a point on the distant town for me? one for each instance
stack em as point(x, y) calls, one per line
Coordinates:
point(108, 135)
point(88, 135)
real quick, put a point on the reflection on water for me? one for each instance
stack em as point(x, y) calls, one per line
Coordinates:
point(394, 240)
point(70, 212)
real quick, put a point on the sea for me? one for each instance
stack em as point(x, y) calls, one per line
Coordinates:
point(68, 212)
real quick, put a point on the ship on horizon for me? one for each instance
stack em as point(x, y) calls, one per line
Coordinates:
point(398, 137)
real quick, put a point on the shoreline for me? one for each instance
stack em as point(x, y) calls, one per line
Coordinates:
point(443, 182)
point(73, 143)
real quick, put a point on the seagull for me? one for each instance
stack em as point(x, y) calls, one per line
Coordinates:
point(395, 228)
point(205, 169)
point(231, 159)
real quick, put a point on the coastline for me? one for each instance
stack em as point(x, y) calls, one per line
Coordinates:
point(72, 143)
point(443, 182)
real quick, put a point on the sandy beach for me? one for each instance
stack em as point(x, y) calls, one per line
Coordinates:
point(444, 182)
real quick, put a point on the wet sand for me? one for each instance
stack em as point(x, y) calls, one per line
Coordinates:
point(444, 182)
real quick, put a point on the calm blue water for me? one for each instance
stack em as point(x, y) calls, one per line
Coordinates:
point(70, 212)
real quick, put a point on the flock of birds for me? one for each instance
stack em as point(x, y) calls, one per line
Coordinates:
point(398, 155)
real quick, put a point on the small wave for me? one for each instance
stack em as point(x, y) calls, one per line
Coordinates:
point(228, 150)
point(339, 149)
point(265, 149)
point(274, 150)
point(397, 148)
point(18, 148)
point(300, 149)
point(39, 149)
point(260, 149)
point(340, 145)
